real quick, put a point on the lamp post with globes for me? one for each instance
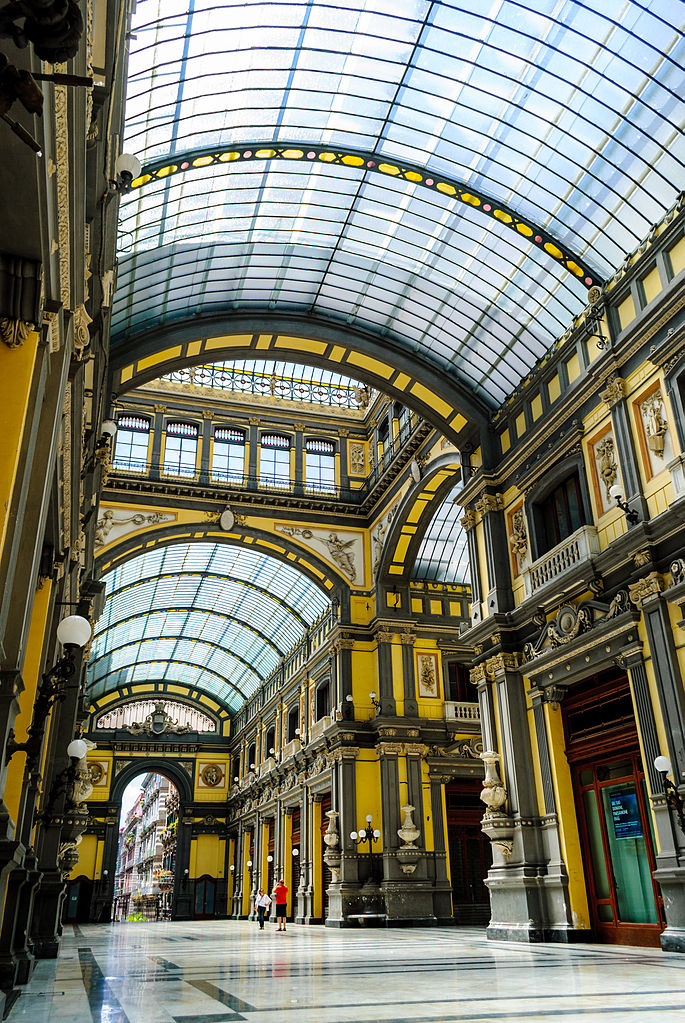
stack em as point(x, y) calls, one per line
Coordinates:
point(63, 814)
point(370, 835)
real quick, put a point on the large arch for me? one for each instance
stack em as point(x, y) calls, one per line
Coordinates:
point(411, 521)
point(384, 363)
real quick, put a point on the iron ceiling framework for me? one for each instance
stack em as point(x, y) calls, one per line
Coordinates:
point(208, 615)
point(377, 137)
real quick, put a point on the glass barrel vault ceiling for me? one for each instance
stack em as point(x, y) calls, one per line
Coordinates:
point(566, 116)
point(206, 615)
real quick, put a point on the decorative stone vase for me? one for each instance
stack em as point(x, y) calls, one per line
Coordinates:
point(493, 793)
point(408, 832)
point(331, 836)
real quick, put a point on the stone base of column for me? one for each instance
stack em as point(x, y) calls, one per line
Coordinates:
point(672, 883)
point(409, 903)
point(529, 906)
point(344, 900)
point(47, 914)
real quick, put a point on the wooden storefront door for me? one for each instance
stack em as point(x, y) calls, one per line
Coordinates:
point(614, 821)
point(470, 854)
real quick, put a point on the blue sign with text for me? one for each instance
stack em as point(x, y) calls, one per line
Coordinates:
point(625, 815)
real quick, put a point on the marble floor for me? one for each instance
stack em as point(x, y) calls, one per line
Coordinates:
point(216, 971)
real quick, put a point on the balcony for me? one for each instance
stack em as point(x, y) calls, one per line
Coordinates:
point(568, 555)
point(319, 727)
point(290, 749)
point(466, 715)
point(266, 766)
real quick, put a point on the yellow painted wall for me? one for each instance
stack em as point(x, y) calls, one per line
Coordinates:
point(16, 372)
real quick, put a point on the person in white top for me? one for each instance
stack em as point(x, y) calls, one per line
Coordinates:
point(262, 903)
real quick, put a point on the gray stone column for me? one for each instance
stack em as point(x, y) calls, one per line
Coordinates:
point(252, 447)
point(301, 893)
point(343, 651)
point(386, 696)
point(442, 895)
point(614, 396)
point(468, 521)
point(670, 872)
point(156, 453)
point(500, 597)
point(343, 896)
point(344, 478)
point(205, 440)
point(528, 887)
point(298, 482)
point(646, 594)
point(411, 707)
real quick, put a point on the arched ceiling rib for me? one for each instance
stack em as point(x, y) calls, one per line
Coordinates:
point(208, 615)
point(566, 116)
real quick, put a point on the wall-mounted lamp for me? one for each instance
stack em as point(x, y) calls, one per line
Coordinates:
point(73, 632)
point(375, 701)
point(236, 778)
point(296, 852)
point(616, 494)
point(673, 797)
point(349, 698)
point(252, 767)
point(271, 751)
point(232, 868)
point(126, 168)
point(297, 732)
point(269, 859)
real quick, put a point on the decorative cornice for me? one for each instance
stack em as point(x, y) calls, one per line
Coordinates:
point(649, 586)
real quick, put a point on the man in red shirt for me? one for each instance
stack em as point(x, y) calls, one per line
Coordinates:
point(281, 894)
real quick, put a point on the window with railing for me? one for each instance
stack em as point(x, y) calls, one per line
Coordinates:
point(559, 514)
point(320, 466)
point(130, 452)
point(228, 455)
point(274, 461)
point(180, 449)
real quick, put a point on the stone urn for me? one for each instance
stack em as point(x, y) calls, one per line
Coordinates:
point(332, 841)
point(409, 852)
point(493, 794)
point(331, 836)
point(408, 832)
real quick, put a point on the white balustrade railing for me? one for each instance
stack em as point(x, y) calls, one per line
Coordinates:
point(572, 551)
point(290, 749)
point(462, 712)
point(319, 727)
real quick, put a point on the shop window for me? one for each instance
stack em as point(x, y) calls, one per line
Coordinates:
point(274, 461)
point(228, 455)
point(293, 723)
point(130, 452)
point(180, 449)
point(559, 513)
point(320, 466)
point(323, 700)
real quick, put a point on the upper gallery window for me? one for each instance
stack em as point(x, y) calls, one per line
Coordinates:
point(228, 456)
point(131, 448)
point(274, 460)
point(320, 465)
point(180, 449)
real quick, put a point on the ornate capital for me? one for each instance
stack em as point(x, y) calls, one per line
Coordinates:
point(407, 637)
point(384, 637)
point(343, 433)
point(650, 586)
point(478, 674)
point(415, 749)
point(14, 332)
point(81, 331)
point(490, 503)
point(501, 663)
point(343, 753)
point(390, 748)
point(613, 392)
point(468, 519)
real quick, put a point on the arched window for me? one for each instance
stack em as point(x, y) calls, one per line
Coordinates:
point(323, 699)
point(320, 466)
point(251, 754)
point(274, 461)
point(180, 449)
point(270, 742)
point(130, 452)
point(228, 455)
point(293, 722)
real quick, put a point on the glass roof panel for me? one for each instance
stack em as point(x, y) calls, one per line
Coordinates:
point(211, 615)
point(443, 556)
point(285, 380)
point(568, 116)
